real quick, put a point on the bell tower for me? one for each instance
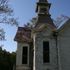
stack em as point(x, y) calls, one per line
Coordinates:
point(42, 9)
point(43, 58)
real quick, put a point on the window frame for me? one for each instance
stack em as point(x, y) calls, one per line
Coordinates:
point(44, 52)
point(27, 55)
point(43, 10)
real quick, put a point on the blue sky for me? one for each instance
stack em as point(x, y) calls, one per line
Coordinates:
point(24, 10)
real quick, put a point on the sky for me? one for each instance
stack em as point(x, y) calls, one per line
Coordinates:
point(24, 10)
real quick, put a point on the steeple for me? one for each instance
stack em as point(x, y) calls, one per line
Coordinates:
point(42, 10)
point(43, 7)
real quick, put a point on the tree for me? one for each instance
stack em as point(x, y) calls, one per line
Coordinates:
point(7, 60)
point(6, 12)
point(32, 23)
point(6, 16)
point(4, 8)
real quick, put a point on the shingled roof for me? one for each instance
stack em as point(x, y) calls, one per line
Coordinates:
point(23, 34)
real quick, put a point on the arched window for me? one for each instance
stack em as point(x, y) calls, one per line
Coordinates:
point(43, 10)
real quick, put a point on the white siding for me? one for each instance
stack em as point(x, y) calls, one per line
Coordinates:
point(64, 47)
point(45, 35)
point(19, 65)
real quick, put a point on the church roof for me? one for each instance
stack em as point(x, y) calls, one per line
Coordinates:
point(44, 21)
point(23, 34)
point(61, 21)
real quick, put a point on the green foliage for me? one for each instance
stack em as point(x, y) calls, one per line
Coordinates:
point(7, 60)
point(6, 17)
point(6, 13)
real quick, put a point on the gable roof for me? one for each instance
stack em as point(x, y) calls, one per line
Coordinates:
point(63, 25)
point(61, 21)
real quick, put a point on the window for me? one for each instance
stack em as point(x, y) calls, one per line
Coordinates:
point(25, 55)
point(46, 52)
point(43, 10)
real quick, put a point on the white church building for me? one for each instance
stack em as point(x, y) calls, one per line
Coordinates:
point(46, 46)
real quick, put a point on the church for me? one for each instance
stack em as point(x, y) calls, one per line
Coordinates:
point(45, 46)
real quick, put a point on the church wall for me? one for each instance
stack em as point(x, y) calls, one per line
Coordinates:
point(64, 48)
point(19, 54)
point(45, 35)
point(19, 65)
